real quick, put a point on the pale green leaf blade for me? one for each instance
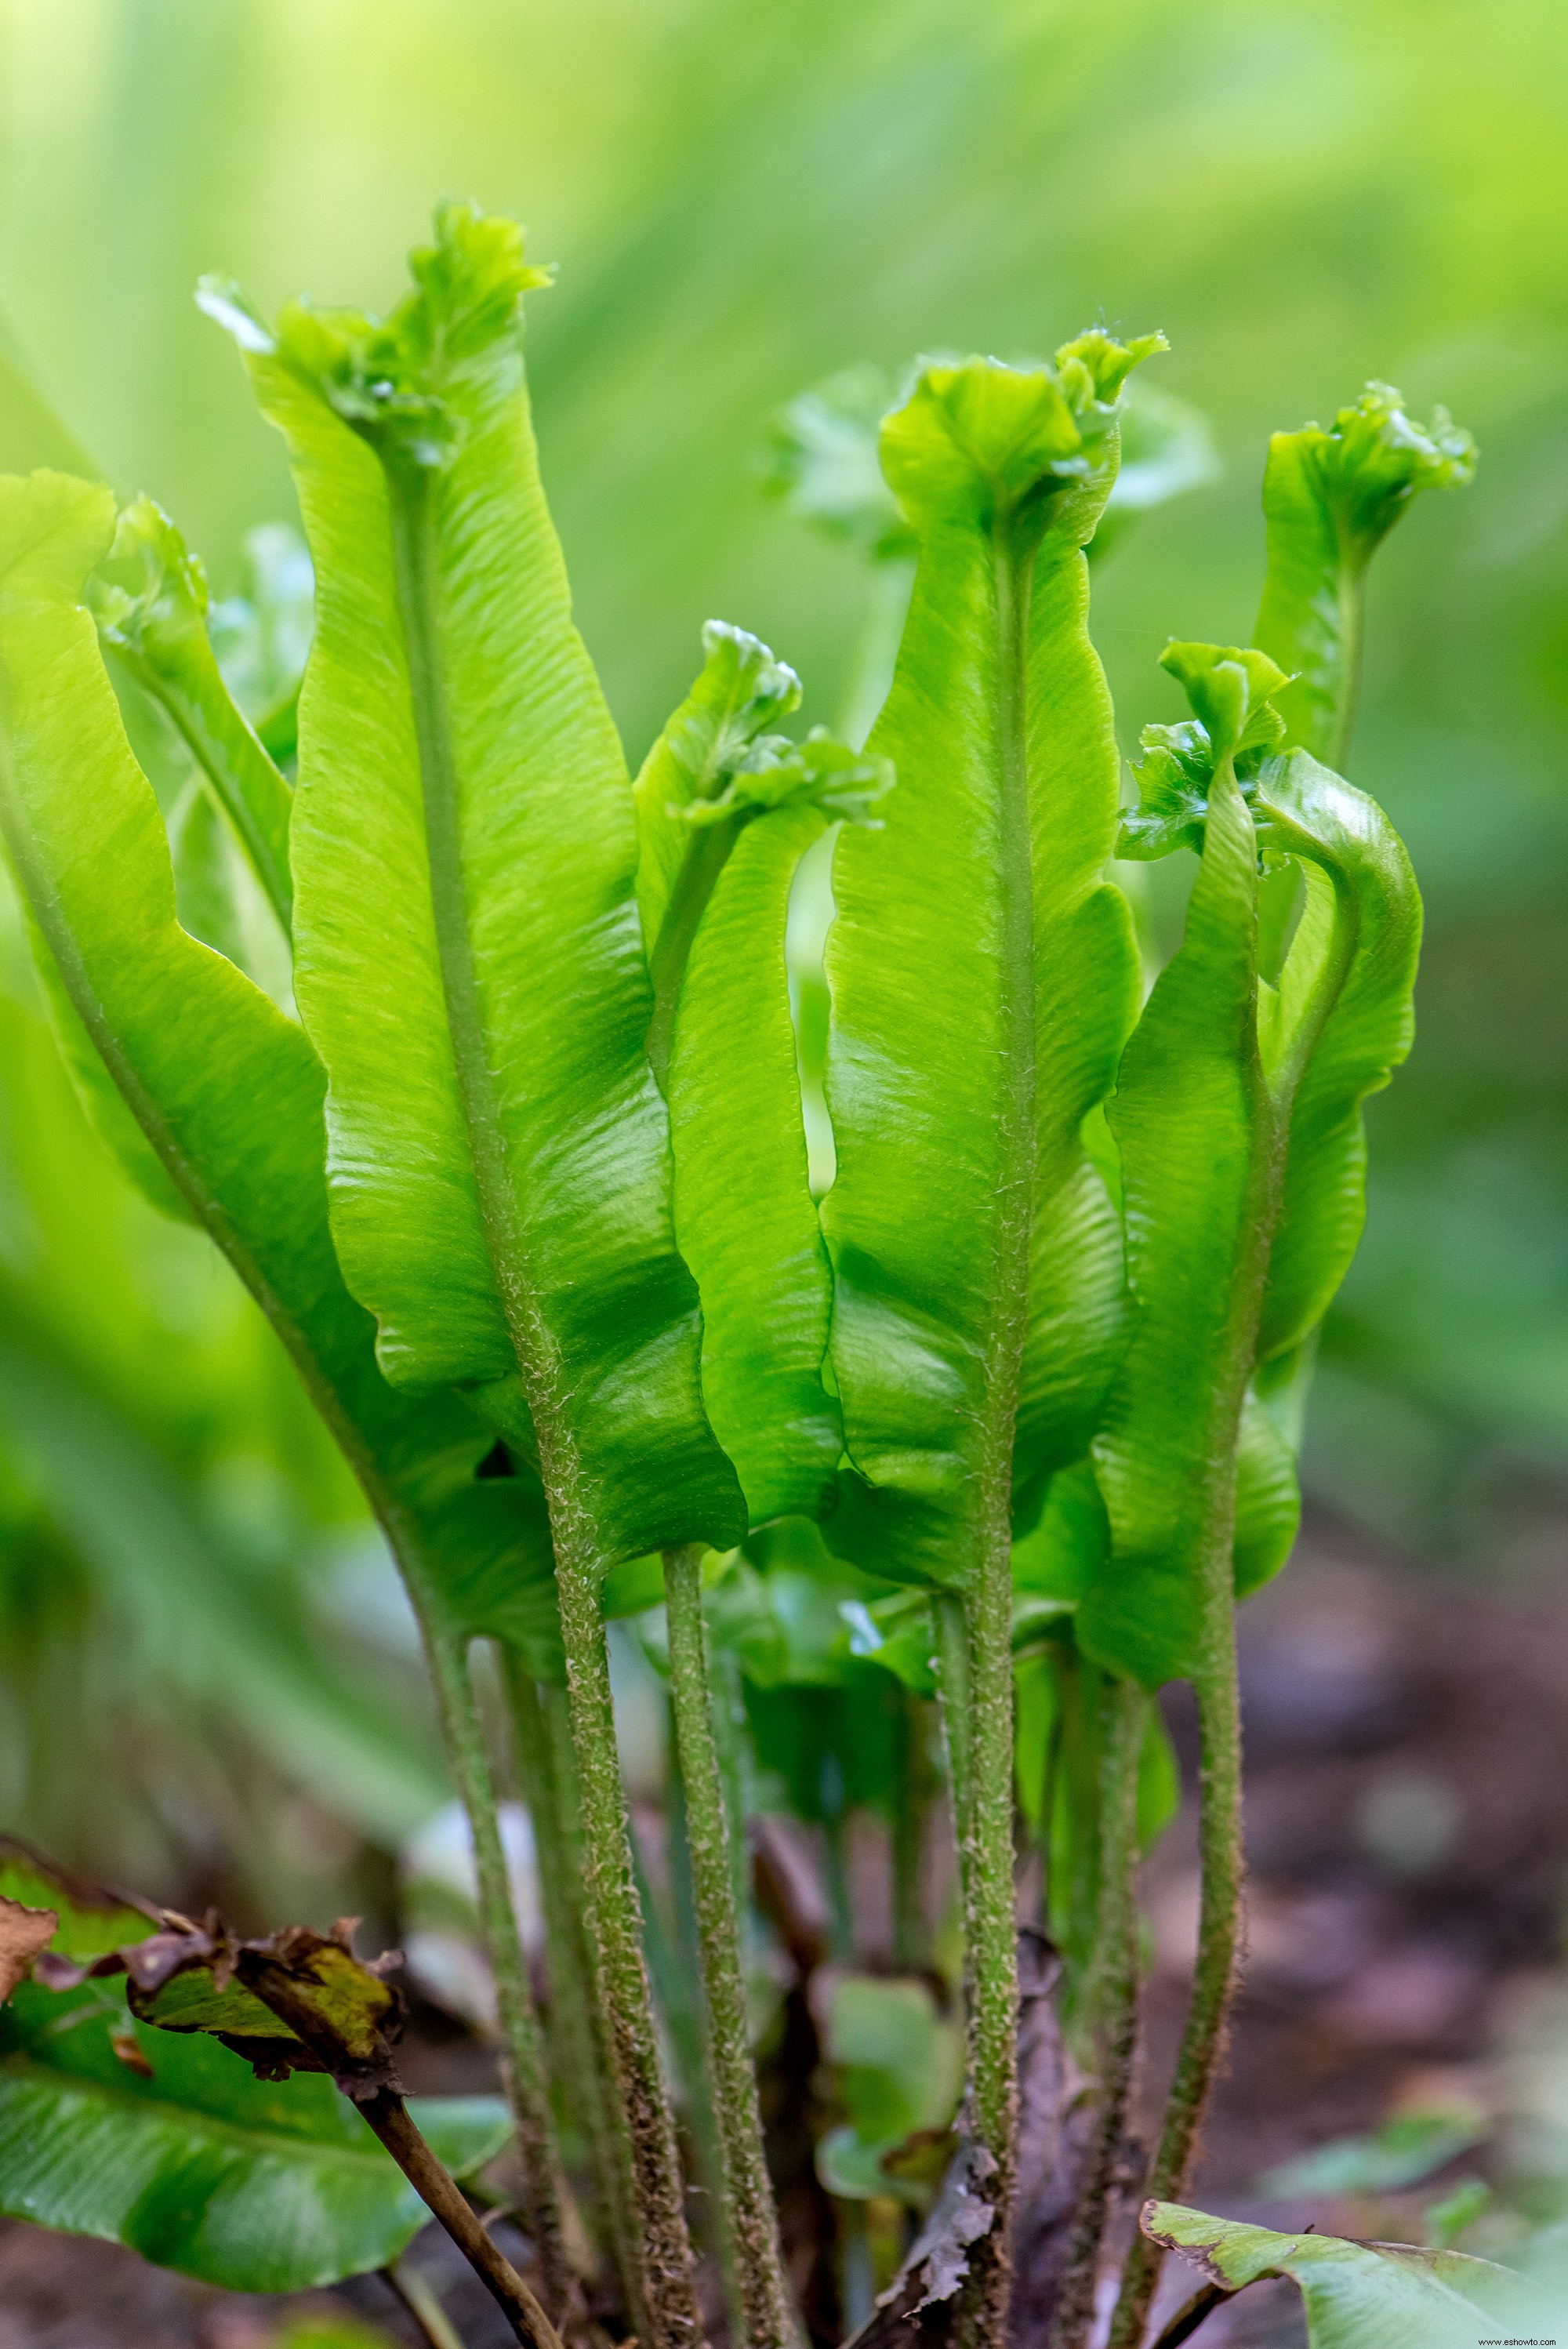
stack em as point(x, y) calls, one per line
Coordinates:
point(983, 977)
point(1268, 1498)
point(714, 899)
point(1366, 1032)
point(226, 1091)
point(1356, 2295)
point(257, 2186)
point(743, 1212)
point(159, 630)
point(108, 1113)
point(469, 963)
point(1330, 497)
point(1187, 1114)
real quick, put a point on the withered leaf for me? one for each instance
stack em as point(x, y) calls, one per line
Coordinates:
point(25, 1934)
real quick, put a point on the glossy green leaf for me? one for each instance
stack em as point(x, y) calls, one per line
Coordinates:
point(724, 811)
point(108, 1113)
point(1330, 497)
point(1268, 1497)
point(984, 977)
point(217, 897)
point(468, 958)
point(225, 1089)
point(157, 629)
point(1356, 2295)
point(189, 2160)
point(1187, 1113)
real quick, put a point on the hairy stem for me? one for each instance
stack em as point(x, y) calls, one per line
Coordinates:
point(991, 1929)
point(661, 2246)
point(675, 1964)
point(660, 2242)
point(574, 2049)
point(1219, 1935)
point(556, 1715)
point(1113, 1999)
point(745, 2193)
point(985, 1747)
point(953, 1691)
point(522, 2054)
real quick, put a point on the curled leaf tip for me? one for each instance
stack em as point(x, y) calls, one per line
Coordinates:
point(744, 672)
point(817, 772)
point(983, 440)
point(1231, 690)
point(1375, 457)
point(170, 581)
point(387, 377)
point(1097, 365)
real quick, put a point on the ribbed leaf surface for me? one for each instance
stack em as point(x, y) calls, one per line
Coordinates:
point(1237, 1111)
point(468, 961)
point(1329, 498)
point(725, 812)
point(226, 1090)
point(983, 976)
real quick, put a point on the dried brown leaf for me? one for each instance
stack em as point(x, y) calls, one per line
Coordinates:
point(25, 1934)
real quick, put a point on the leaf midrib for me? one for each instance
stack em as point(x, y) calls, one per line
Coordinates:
point(1014, 547)
point(413, 493)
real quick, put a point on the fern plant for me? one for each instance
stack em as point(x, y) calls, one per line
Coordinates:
point(500, 1116)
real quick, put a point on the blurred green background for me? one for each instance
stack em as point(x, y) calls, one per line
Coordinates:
point(742, 200)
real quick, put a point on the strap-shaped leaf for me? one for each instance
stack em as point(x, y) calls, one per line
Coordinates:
point(725, 812)
point(984, 976)
point(159, 630)
point(1188, 1115)
point(468, 962)
point(1237, 1113)
point(1356, 2295)
point(1370, 917)
point(1329, 500)
point(225, 1090)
